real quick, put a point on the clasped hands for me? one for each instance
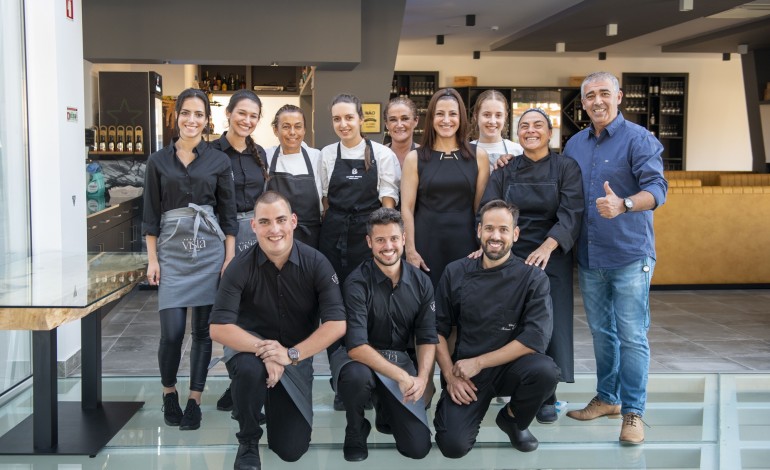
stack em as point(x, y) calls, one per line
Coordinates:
point(460, 387)
point(275, 357)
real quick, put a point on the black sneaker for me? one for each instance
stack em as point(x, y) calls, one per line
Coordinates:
point(192, 416)
point(547, 414)
point(354, 449)
point(172, 412)
point(247, 457)
point(225, 402)
point(521, 439)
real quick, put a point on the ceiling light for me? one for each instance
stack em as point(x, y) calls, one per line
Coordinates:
point(726, 56)
point(561, 47)
point(439, 39)
point(685, 5)
point(273, 64)
point(602, 56)
point(477, 54)
point(743, 48)
point(470, 20)
point(612, 29)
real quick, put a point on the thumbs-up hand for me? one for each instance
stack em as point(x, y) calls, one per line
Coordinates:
point(609, 206)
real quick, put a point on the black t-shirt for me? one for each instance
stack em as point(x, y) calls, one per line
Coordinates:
point(283, 305)
point(247, 174)
point(207, 180)
point(387, 317)
point(492, 307)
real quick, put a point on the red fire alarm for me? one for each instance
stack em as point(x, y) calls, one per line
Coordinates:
point(70, 9)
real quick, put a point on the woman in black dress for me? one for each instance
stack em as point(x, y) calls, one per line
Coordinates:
point(190, 226)
point(548, 190)
point(441, 187)
point(246, 158)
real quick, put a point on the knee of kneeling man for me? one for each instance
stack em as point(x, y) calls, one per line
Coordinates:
point(415, 450)
point(291, 454)
point(453, 447)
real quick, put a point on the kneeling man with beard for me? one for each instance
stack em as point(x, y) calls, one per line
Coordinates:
point(494, 322)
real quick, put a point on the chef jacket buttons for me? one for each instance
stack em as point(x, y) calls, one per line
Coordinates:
point(646, 268)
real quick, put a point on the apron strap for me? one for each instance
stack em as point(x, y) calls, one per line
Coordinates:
point(201, 214)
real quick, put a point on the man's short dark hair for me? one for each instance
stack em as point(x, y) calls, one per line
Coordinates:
point(500, 204)
point(269, 197)
point(384, 216)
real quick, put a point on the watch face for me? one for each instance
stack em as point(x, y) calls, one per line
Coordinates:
point(293, 354)
point(628, 202)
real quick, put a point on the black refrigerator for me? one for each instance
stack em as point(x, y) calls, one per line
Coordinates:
point(131, 110)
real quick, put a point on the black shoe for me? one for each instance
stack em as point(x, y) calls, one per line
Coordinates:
point(172, 412)
point(355, 449)
point(547, 414)
point(338, 404)
point(225, 402)
point(247, 457)
point(192, 416)
point(521, 440)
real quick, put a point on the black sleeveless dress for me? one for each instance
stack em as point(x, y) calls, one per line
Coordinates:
point(444, 220)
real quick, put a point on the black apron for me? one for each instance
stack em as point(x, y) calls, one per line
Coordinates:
point(302, 193)
point(352, 196)
point(538, 202)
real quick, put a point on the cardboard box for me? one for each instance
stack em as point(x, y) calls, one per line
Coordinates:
point(465, 80)
point(576, 81)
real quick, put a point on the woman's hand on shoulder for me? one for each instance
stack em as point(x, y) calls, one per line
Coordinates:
point(414, 258)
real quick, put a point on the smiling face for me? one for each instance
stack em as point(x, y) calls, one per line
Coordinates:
point(497, 233)
point(446, 119)
point(290, 131)
point(400, 122)
point(244, 118)
point(534, 133)
point(387, 243)
point(191, 118)
point(601, 100)
point(491, 118)
point(347, 123)
point(274, 225)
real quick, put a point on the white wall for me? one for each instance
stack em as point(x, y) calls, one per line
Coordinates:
point(717, 125)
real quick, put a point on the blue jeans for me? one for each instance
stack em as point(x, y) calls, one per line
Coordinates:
point(617, 304)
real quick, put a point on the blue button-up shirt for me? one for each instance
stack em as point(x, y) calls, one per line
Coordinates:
point(629, 157)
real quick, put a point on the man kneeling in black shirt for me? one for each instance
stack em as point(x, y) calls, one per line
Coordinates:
point(266, 314)
point(501, 312)
point(388, 303)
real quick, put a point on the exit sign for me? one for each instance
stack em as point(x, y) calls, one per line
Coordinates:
point(70, 9)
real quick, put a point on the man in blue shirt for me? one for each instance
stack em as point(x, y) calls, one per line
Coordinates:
point(623, 183)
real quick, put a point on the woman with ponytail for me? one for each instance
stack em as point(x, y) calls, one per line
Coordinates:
point(358, 176)
point(247, 159)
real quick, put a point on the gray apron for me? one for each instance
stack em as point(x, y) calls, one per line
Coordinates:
point(246, 236)
point(190, 254)
point(493, 157)
point(340, 357)
point(296, 380)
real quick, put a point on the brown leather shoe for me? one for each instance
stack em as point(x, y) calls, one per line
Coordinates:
point(595, 409)
point(632, 431)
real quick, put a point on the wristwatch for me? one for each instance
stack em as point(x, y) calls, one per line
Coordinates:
point(293, 355)
point(628, 203)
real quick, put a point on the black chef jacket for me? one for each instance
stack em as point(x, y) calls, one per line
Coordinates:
point(387, 317)
point(492, 307)
point(283, 305)
point(247, 174)
point(207, 180)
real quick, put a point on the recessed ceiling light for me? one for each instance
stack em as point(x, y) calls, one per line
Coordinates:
point(685, 5)
point(612, 29)
point(561, 47)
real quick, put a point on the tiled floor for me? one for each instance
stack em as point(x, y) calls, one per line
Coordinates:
point(708, 403)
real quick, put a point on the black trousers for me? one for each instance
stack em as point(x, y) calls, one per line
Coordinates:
point(528, 380)
point(356, 383)
point(288, 433)
point(172, 326)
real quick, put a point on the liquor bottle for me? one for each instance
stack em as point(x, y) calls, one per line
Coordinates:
point(102, 143)
point(129, 143)
point(111, 144)
point(120, 143)
point(231, 82)
point(139, 144)
point(652, 119)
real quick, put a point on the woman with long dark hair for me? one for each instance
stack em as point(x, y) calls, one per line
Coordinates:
point(190, 225)
point(401, 119)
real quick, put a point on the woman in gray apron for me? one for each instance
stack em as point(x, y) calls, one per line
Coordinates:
point(357, 177)
point(548, 190)
point(190, 227)
point(489, 121)
point(401, 119)
point(247, 159)
point(294, 172)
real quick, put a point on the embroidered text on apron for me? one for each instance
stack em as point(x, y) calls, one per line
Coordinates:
point(539, 204)
point(246, 236)
point(190, 253)
point(340, 357)
point(296, 380)
point(302, 193)
point(352, 196)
